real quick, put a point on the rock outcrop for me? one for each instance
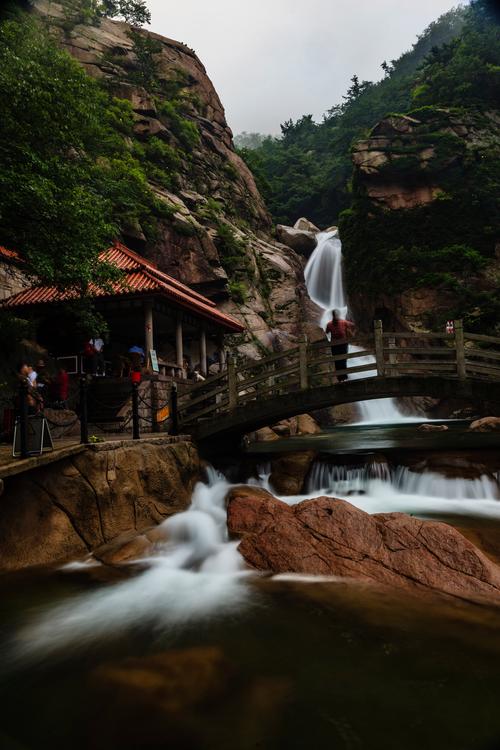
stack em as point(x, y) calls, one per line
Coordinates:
point(212, 187)
point(70, 507)
point(331, 537)
point(486, 424)
point(413, 178)
point(302, 241)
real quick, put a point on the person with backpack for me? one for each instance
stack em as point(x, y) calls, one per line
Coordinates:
point(340, 330)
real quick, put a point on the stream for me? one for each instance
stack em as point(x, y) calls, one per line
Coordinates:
point(187, 649)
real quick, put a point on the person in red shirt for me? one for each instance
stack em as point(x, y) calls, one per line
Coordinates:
point(340, 330)
point(60, 389)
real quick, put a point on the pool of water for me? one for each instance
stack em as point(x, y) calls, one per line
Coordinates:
point(301, 665)
point(366, 438)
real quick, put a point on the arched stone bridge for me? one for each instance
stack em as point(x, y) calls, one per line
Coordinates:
point(249, 395)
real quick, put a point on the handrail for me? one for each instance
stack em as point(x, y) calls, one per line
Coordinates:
point(481, 337)
point(308, 366)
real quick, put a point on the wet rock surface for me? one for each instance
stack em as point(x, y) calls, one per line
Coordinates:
point(68, 508)
point(289, 471)
point(327, 536)
point(487, 424)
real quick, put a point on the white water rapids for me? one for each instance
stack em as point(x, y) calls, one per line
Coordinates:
point(198, 574)
point(325, 286)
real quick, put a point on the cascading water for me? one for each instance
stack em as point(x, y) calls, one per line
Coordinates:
point(325, 286)
point(197, 573)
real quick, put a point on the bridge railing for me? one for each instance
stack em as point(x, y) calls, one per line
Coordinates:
point(384, 354)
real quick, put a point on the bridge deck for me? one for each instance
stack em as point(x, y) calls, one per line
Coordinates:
point(250, 394)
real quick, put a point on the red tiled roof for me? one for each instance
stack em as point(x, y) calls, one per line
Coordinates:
point(140, 275)
point(10, 255)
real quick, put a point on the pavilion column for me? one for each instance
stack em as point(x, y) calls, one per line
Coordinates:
point(203, 351)
point(148, 327)
point(179, 344)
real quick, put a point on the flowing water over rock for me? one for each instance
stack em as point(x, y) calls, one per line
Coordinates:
point(325, 286)
point(198, 574)
point(189, 650)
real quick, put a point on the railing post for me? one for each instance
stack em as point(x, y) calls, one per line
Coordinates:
point(232, 383)
point(303, 363)
point(174, 410)
point(23, 419)
point(379, 348)
point(460, 349)
point(392, 356)
point(135, 411)
point(84, 412)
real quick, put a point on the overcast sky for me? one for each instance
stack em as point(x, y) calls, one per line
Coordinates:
point(275, 59)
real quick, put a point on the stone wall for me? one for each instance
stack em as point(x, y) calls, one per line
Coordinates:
point(64, 510)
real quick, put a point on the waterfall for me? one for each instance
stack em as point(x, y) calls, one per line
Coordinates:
point(323, 276)
point(325, 286)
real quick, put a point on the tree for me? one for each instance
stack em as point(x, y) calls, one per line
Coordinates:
point(68, 182)
point(134, 12)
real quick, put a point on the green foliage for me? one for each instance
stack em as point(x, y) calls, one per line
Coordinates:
point(185, 130)
point(68, 182)
point(77, 12)
point(235, 261)
point(134, 12)
point(307, 171)
point(466, 71)
point(238, 291)
point(248, 140)
point(448, 242)
point(145, 49)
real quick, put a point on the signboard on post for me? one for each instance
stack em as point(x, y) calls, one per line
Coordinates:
point(154, 360)
point(38, 437)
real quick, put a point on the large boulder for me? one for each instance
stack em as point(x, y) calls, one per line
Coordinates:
point(70, 507)
point(327, 536)
point(301, 240)
point(289, 471)
point(306, 225)
point(486, 424)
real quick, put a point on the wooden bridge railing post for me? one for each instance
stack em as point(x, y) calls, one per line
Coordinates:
point(460, 349)
point(232, 382)
point(392, 357)
point(379, 347)
point(303, 363)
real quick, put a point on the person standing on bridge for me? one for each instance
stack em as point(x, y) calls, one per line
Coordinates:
point(340, 330)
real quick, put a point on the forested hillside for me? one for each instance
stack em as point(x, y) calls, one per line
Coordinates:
point(424, 226)
point(410, 169)
point(306, 171)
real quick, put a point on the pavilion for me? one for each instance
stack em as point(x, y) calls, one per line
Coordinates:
point(146, 308)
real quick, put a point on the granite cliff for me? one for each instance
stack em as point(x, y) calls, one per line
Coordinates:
point(218, 236)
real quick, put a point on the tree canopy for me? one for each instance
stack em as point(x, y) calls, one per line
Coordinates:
point(68, 182)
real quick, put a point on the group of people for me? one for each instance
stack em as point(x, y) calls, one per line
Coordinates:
point(44, 389)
